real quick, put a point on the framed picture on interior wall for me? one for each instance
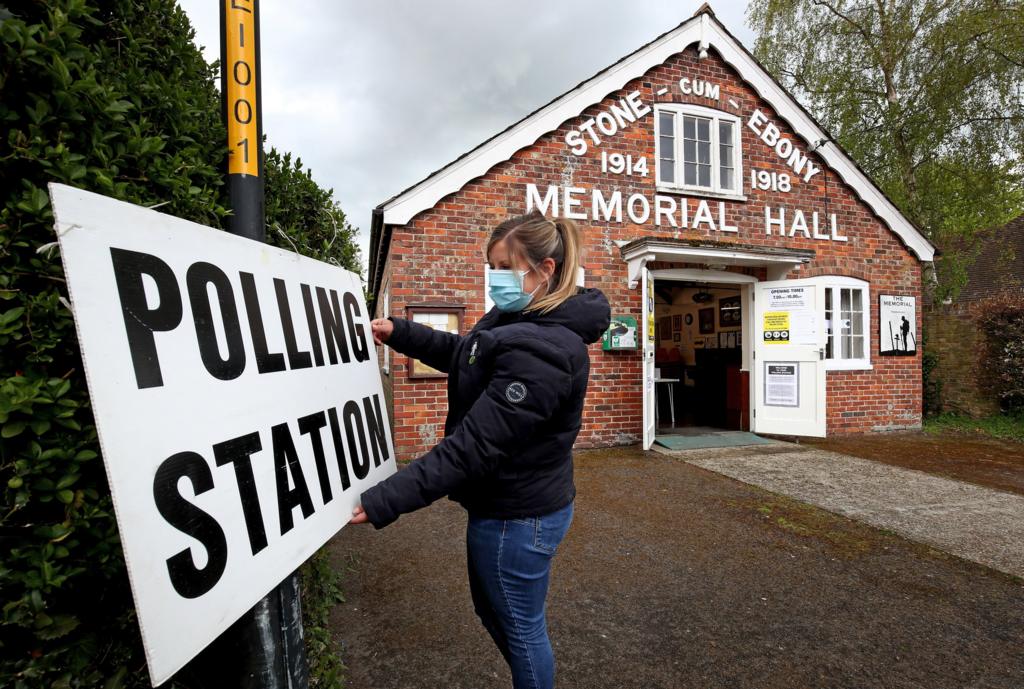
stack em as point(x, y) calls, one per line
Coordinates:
point(677, 337)
point(739, 338)
point(445, 318)
point(666, 326)
point(729, 312)
point(723, 340)
point(677, 322)
point(698, 343)
point(706, 321)
point(688, 319)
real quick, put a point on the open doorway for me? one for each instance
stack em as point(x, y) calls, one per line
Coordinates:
point(700, 382)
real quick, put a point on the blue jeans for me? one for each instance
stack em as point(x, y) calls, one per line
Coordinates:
point(509, 563)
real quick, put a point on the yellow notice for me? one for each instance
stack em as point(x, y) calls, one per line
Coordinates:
point(776, 327)
point(240, 66)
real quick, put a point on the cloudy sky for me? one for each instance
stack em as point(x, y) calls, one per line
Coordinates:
point(375, 95)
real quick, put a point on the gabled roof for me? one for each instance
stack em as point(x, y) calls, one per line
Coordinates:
point(706, 31)
point(999, 263)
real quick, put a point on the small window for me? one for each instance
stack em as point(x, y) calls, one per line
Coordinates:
point(386, 302)
point(698, 149)
point(847, 343)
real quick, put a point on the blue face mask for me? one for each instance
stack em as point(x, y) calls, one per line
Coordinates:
point(506, 290)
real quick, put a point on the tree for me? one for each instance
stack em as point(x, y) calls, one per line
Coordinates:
point(114, 97)
point(926, 95)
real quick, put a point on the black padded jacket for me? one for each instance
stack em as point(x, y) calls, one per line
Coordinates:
point(516, 384)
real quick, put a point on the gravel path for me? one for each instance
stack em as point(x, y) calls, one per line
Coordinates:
point(973, 522)
point(673, 576)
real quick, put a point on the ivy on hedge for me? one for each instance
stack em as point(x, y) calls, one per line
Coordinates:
point(110, 96)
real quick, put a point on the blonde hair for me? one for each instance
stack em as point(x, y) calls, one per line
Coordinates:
point(531, 239)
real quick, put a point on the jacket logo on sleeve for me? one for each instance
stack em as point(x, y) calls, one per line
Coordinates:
point(472, 353)
point(515, 392)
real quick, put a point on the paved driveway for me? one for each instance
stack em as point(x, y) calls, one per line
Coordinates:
point(673, 576)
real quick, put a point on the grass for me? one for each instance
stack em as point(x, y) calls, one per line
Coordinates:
point(1001, 426)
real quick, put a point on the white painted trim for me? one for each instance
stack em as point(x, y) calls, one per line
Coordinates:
point(401, 209)
point(715, 115)
point(839, 282)
point(637, 258)
point(697, 275)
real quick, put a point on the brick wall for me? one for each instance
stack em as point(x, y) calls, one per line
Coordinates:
point(438, 257)
point(955, 341)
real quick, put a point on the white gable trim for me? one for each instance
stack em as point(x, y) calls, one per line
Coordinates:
point(401, 209)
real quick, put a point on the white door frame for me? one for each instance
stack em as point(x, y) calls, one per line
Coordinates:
point(719, 277)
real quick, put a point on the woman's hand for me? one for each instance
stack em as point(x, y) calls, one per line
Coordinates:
point(381, 329)
point(359, 516)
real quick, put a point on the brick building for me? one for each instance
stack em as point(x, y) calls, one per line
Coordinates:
point(994, 263)
point(747, 259)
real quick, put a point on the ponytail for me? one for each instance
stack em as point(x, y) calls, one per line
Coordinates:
point(566, 271)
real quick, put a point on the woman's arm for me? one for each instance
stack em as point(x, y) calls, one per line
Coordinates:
point(530, 381)
point(432, 347)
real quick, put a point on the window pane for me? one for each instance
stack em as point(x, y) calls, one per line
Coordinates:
point(690, 173)
point(857, 321)
point(727, 175)
point(844, 301)
point(858, 347)
point(667, 124)
point(725, 133)
point(666, 146)
point(689, 127)
point(703, 153)
point(690, 151)
point(704, 175)
point(704, 129)
point(856, 294)
point(668, 171)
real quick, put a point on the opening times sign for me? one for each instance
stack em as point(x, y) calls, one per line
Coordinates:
point(238, 404)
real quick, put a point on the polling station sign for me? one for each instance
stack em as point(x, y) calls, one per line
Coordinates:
point(238, 403)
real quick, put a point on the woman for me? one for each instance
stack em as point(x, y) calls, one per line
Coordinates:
point(516, 385)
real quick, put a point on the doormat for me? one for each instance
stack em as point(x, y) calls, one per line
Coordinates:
point(718, 439)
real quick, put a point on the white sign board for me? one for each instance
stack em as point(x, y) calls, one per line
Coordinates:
point(238, 403)
point(898, 323)
point(781, 384)
point(801, 320)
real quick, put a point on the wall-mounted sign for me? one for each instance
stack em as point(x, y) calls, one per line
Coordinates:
point(791, 319)
point(776, 327)
point(621, 334)
point(238, 404)
point(447, 319)
point(897, 318)
point(781, 384)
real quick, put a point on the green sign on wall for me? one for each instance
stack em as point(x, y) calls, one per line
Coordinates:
point(621, 334)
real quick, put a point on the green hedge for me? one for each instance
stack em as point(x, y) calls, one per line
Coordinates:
point(115, 98)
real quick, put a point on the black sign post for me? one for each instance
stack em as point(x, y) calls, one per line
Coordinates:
point(264, 648)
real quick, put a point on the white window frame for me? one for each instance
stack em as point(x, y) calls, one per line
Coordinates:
point(386, 306)
point(716, 116)
point(835, 283)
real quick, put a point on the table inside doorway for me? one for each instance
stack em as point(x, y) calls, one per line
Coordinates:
point(671, 399)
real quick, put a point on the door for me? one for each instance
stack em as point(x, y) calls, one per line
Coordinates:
point(650, 424)
point(788, 371)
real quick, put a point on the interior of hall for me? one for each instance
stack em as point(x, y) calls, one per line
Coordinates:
point(698, 357)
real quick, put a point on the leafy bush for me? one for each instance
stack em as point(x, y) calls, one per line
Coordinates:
point(112, 97)
point(1001, 319)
